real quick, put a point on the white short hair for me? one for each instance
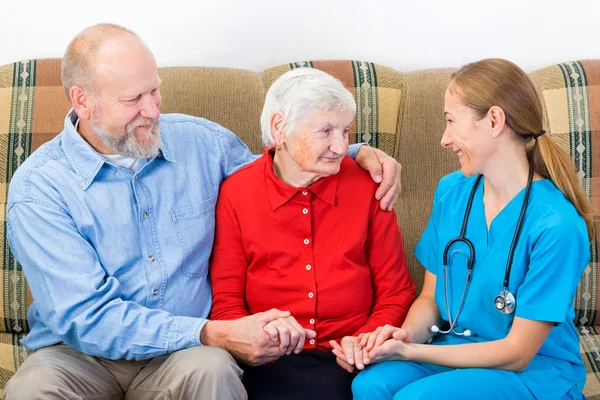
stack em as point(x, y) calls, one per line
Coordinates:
point(298, 93)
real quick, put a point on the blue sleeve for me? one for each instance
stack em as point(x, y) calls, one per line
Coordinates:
point(558, 258)
point(353, 150)
point(75, 298)
point(425, 251)
point(234, 153)
point(428, 249)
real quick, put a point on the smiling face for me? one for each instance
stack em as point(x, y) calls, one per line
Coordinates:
point(318, 143)
point(469, 138)
point(127, 100)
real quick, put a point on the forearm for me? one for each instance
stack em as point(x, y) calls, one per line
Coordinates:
point(498, 354)
point(421, 317)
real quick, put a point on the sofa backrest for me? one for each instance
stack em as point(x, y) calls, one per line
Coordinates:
point(401, 113)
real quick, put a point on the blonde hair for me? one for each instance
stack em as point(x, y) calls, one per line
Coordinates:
point(79, 58)
point(498, 82)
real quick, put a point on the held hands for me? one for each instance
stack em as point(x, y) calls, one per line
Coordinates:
point(289, 334)
point(349, 353)
point(387, 343)
point(384, 169)
point(245, 338)
point(383, 344)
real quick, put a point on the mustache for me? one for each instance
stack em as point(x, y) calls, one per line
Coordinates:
point(141, 122)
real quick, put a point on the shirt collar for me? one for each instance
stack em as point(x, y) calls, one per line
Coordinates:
point(279, 193)
point(86, 161)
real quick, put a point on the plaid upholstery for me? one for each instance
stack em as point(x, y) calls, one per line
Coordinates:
point(571, 96)
point(400, 113)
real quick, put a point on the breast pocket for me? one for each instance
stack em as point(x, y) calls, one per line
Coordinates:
point(195, 227)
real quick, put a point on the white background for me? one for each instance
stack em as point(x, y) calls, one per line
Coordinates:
point(406, 35)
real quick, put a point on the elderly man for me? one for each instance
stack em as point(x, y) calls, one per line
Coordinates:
point(113, 223)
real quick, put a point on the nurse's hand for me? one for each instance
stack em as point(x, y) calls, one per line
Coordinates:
point(376, 338)
point(391, 349)
point(384, 169)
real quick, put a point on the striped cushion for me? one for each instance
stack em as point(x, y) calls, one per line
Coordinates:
point(571, 95)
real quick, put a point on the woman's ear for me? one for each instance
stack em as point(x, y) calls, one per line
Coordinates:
point(277, 127)
point(497, 120)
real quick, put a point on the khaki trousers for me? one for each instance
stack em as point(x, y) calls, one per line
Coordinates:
point(60, 372)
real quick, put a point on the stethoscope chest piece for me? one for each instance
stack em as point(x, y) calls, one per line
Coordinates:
point(505, 302)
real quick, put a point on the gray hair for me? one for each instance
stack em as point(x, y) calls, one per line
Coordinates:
point(299, 92)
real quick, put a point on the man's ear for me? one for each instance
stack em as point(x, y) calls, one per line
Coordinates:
point(277, 125)
point(82, 102)
point(497, 120)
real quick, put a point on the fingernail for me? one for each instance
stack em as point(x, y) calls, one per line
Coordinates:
point(377, 178)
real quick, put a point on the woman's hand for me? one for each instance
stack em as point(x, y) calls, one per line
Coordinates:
point(289, 333)
point(349, 353)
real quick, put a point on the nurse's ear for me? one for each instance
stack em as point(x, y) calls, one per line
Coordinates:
point(497, 120)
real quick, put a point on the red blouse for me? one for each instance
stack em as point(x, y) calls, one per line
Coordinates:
point(327, 253)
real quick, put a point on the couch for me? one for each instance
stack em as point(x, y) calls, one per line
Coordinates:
point(401, 113)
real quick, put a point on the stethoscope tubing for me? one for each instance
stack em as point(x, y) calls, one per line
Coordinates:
point(471, 258)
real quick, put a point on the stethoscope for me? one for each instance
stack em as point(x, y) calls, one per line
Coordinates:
point(505, 302)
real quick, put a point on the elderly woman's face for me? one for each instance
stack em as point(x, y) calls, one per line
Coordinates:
point(320, 141)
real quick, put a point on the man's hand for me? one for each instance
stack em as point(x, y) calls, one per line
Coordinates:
point(245, 338)
point(384, 169)
point(289, 334)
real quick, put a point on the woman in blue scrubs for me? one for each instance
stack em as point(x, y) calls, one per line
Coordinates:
point(499, 322)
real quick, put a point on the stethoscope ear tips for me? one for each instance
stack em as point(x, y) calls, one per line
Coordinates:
point(467, 332)
point(435, 329)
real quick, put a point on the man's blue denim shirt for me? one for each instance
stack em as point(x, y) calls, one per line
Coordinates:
point(117, 261)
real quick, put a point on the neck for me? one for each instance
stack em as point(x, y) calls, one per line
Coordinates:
point(505, 176)
point(290, 173)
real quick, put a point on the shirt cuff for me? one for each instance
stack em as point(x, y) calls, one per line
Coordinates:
point(185, 333)
point(353, 149)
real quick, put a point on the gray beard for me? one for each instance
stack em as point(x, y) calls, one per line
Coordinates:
point(126, 145)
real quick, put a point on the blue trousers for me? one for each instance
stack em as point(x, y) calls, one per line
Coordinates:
point(399, 380)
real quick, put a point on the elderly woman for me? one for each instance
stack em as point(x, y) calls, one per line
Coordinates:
point(299, 230)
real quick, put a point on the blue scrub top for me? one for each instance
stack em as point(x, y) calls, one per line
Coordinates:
point(552, 252)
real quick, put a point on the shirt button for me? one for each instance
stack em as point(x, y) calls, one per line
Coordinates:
point(306, 241)
point(305, 211)
point(151, 258)
point(155, 292)
point(135, 177)
point(308, 267)
point(312, 341)
point(312, 321)
point(144, 215)
point(311, 295)
point(116, 173)
point(304, 192)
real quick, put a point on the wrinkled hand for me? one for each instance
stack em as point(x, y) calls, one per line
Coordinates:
point(289, 334)
point(246, 339)
point(376, 338)
point(384, 169)
point(349, 353)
